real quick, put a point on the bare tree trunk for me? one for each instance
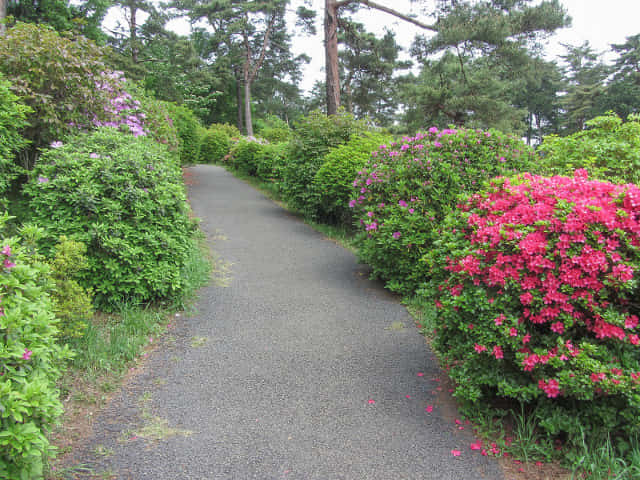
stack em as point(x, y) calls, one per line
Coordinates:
point(247, 101)
point(331, 43)
point(240, 119)
point(3, 15)
point(133, 38)
point(331, 51)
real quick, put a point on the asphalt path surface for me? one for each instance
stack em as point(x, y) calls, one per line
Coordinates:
point(293, 366)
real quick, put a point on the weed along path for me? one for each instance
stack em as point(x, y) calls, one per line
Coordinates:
point(293, 366)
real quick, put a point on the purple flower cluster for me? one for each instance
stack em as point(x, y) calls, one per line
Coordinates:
point(122, 108)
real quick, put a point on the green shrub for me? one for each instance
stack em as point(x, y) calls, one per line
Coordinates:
point(215, 145)
point(12, 119)
point(313, 137)
point(406, 189)
point(56, 77)
point(609, 149)
point(158, 121)
point(332, 184)
point(72, 304)
point(231, 130)
point(188, 127)
point(271, 161)
point(244, 155)
point(273, 129)
point(30, 361)
point(123, 197)
point(535, 281)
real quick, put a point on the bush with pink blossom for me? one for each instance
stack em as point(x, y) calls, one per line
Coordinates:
point(535, 286)
point(406, 189)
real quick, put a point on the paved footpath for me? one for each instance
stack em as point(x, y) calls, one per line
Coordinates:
point(273, 375)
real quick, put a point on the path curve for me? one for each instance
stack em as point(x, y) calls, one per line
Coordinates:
point(272, 377)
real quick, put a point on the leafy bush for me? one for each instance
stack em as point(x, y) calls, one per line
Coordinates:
point(158, 122)
point(123, 197)
point(72, 304)
point(406, 189)
point(245, 154)
point(188, 126)
point(332, 183)
point(313, 137)
point(54, 75)
point(231, 130)
point(12, 119)
point(273, 129)
point(215, 145)
point(271, 161)
point(608, 149)
point(535, 281)
point(31, 361)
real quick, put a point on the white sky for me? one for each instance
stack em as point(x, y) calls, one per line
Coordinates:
point(601, 22)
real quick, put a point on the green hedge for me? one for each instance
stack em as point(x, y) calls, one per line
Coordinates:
point(124, 198)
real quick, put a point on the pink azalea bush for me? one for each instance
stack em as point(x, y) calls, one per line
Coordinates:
point(535, 286)
point(406, 189)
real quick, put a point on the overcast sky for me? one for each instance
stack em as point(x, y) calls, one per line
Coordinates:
point(601, 22)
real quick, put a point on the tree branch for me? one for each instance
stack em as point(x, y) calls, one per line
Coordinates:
point(263, 52)
point(390, 11)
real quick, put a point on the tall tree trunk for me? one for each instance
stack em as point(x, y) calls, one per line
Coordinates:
point(133, 37)
point(240, 119)
point(331, 52)
point(247, 100)
point(331, 8)
point(3, 15)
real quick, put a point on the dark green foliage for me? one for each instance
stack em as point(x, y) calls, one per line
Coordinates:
point(214, 145)
point(273, 129)
point(406, 190)
point(314, 135)
point(12, 119)
point(332, 184)
point(271, 161)
point(31, 360)
point(71, 302)
point(158, 122)
point(245, 154)
point(609, 149)
point(187, 125)
point(55, 76)
point(124, 198)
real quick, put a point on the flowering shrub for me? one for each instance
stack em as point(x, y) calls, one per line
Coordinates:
point(609, 149)
point(123, 197)
point(332, 183)
point(30, 361)
point(313, 137)
point(407, 188)
point(56, 77)
point(535, 283)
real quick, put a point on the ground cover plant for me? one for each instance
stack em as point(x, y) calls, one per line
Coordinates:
point(31, 361)
point(534, 280)
point(123, 197)
point(404, 192)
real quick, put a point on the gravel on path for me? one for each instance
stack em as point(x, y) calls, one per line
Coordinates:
point(294, 366)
